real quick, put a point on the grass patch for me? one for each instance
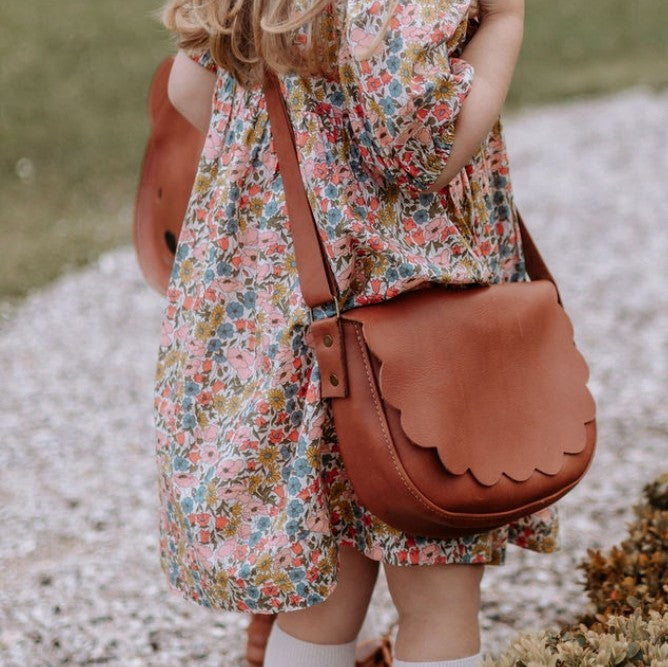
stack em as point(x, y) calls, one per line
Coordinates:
point(74, 75)
point(576, 48)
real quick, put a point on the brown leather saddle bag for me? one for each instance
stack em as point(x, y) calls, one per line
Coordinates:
point(456, 410)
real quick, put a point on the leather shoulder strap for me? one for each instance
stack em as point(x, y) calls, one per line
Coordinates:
point(535, 264)
point(315, 276)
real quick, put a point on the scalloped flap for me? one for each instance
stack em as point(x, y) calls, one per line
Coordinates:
point(489, 377)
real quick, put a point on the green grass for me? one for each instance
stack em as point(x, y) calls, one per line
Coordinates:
point(73, 81)
point(73, 76)
point(585, 47)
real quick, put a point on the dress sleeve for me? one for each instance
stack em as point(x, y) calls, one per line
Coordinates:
point(205, 59)
point(404, 99)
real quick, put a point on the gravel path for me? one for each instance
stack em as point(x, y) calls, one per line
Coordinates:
point(80, 582)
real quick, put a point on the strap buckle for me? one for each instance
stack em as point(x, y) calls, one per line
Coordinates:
point(310, 309)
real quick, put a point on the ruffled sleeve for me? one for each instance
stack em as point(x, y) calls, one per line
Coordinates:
point(404, 99)
point(205, 59)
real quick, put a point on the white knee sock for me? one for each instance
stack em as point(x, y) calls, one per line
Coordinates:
point(283, 650)
point(471, 661)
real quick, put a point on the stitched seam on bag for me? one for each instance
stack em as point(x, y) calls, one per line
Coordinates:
point(388, 445)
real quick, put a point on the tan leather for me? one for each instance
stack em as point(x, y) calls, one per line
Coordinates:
point(376, 652)
point(407, 486)
point(327, 339)
point(257, 636)
point(166, 180)
point(495, 352)
point(316, 280)
point(460, 410)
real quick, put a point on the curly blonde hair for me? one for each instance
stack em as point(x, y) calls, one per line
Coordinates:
point(245, 36)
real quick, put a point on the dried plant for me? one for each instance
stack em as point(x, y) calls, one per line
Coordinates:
point(628, 589)
point(625, 641)
point(633, 575)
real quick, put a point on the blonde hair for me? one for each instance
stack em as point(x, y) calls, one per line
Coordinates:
point(245, 36)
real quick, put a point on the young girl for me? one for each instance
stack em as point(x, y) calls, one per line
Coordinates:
point(395, 107)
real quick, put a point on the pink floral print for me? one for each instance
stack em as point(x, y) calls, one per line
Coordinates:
point(254, 499)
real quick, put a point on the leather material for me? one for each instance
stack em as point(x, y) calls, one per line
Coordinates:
point(409, 488)
point(462, 409)
point(327, 339)
point(165, 183)
point(493, 351)
point(376, 652)
point(316, 279)
point(257, 636)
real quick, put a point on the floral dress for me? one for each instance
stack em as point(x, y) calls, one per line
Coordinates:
point(255, 501)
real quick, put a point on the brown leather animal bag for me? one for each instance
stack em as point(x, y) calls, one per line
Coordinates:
point(166, 181)
point(456, 410)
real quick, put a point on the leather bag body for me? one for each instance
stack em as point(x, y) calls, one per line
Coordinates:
point(166, 179)
point(457, 410)
point(462, 410)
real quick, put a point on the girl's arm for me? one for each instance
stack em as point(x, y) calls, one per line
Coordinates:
point(190, 90)
point(493, 53)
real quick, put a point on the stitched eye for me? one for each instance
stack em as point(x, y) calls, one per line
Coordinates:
point(170, 242)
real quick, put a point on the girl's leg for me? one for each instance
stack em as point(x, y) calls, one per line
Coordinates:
point(438, 611)
point(339, 618)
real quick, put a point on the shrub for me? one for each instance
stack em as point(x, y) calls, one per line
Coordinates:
point(628, 589)
point(636, 640)
point(633, 575)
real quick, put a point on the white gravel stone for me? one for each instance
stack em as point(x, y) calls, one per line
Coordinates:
point(80, 582)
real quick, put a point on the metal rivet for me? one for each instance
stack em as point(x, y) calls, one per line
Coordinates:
point(328, 340)
point(334, 380)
